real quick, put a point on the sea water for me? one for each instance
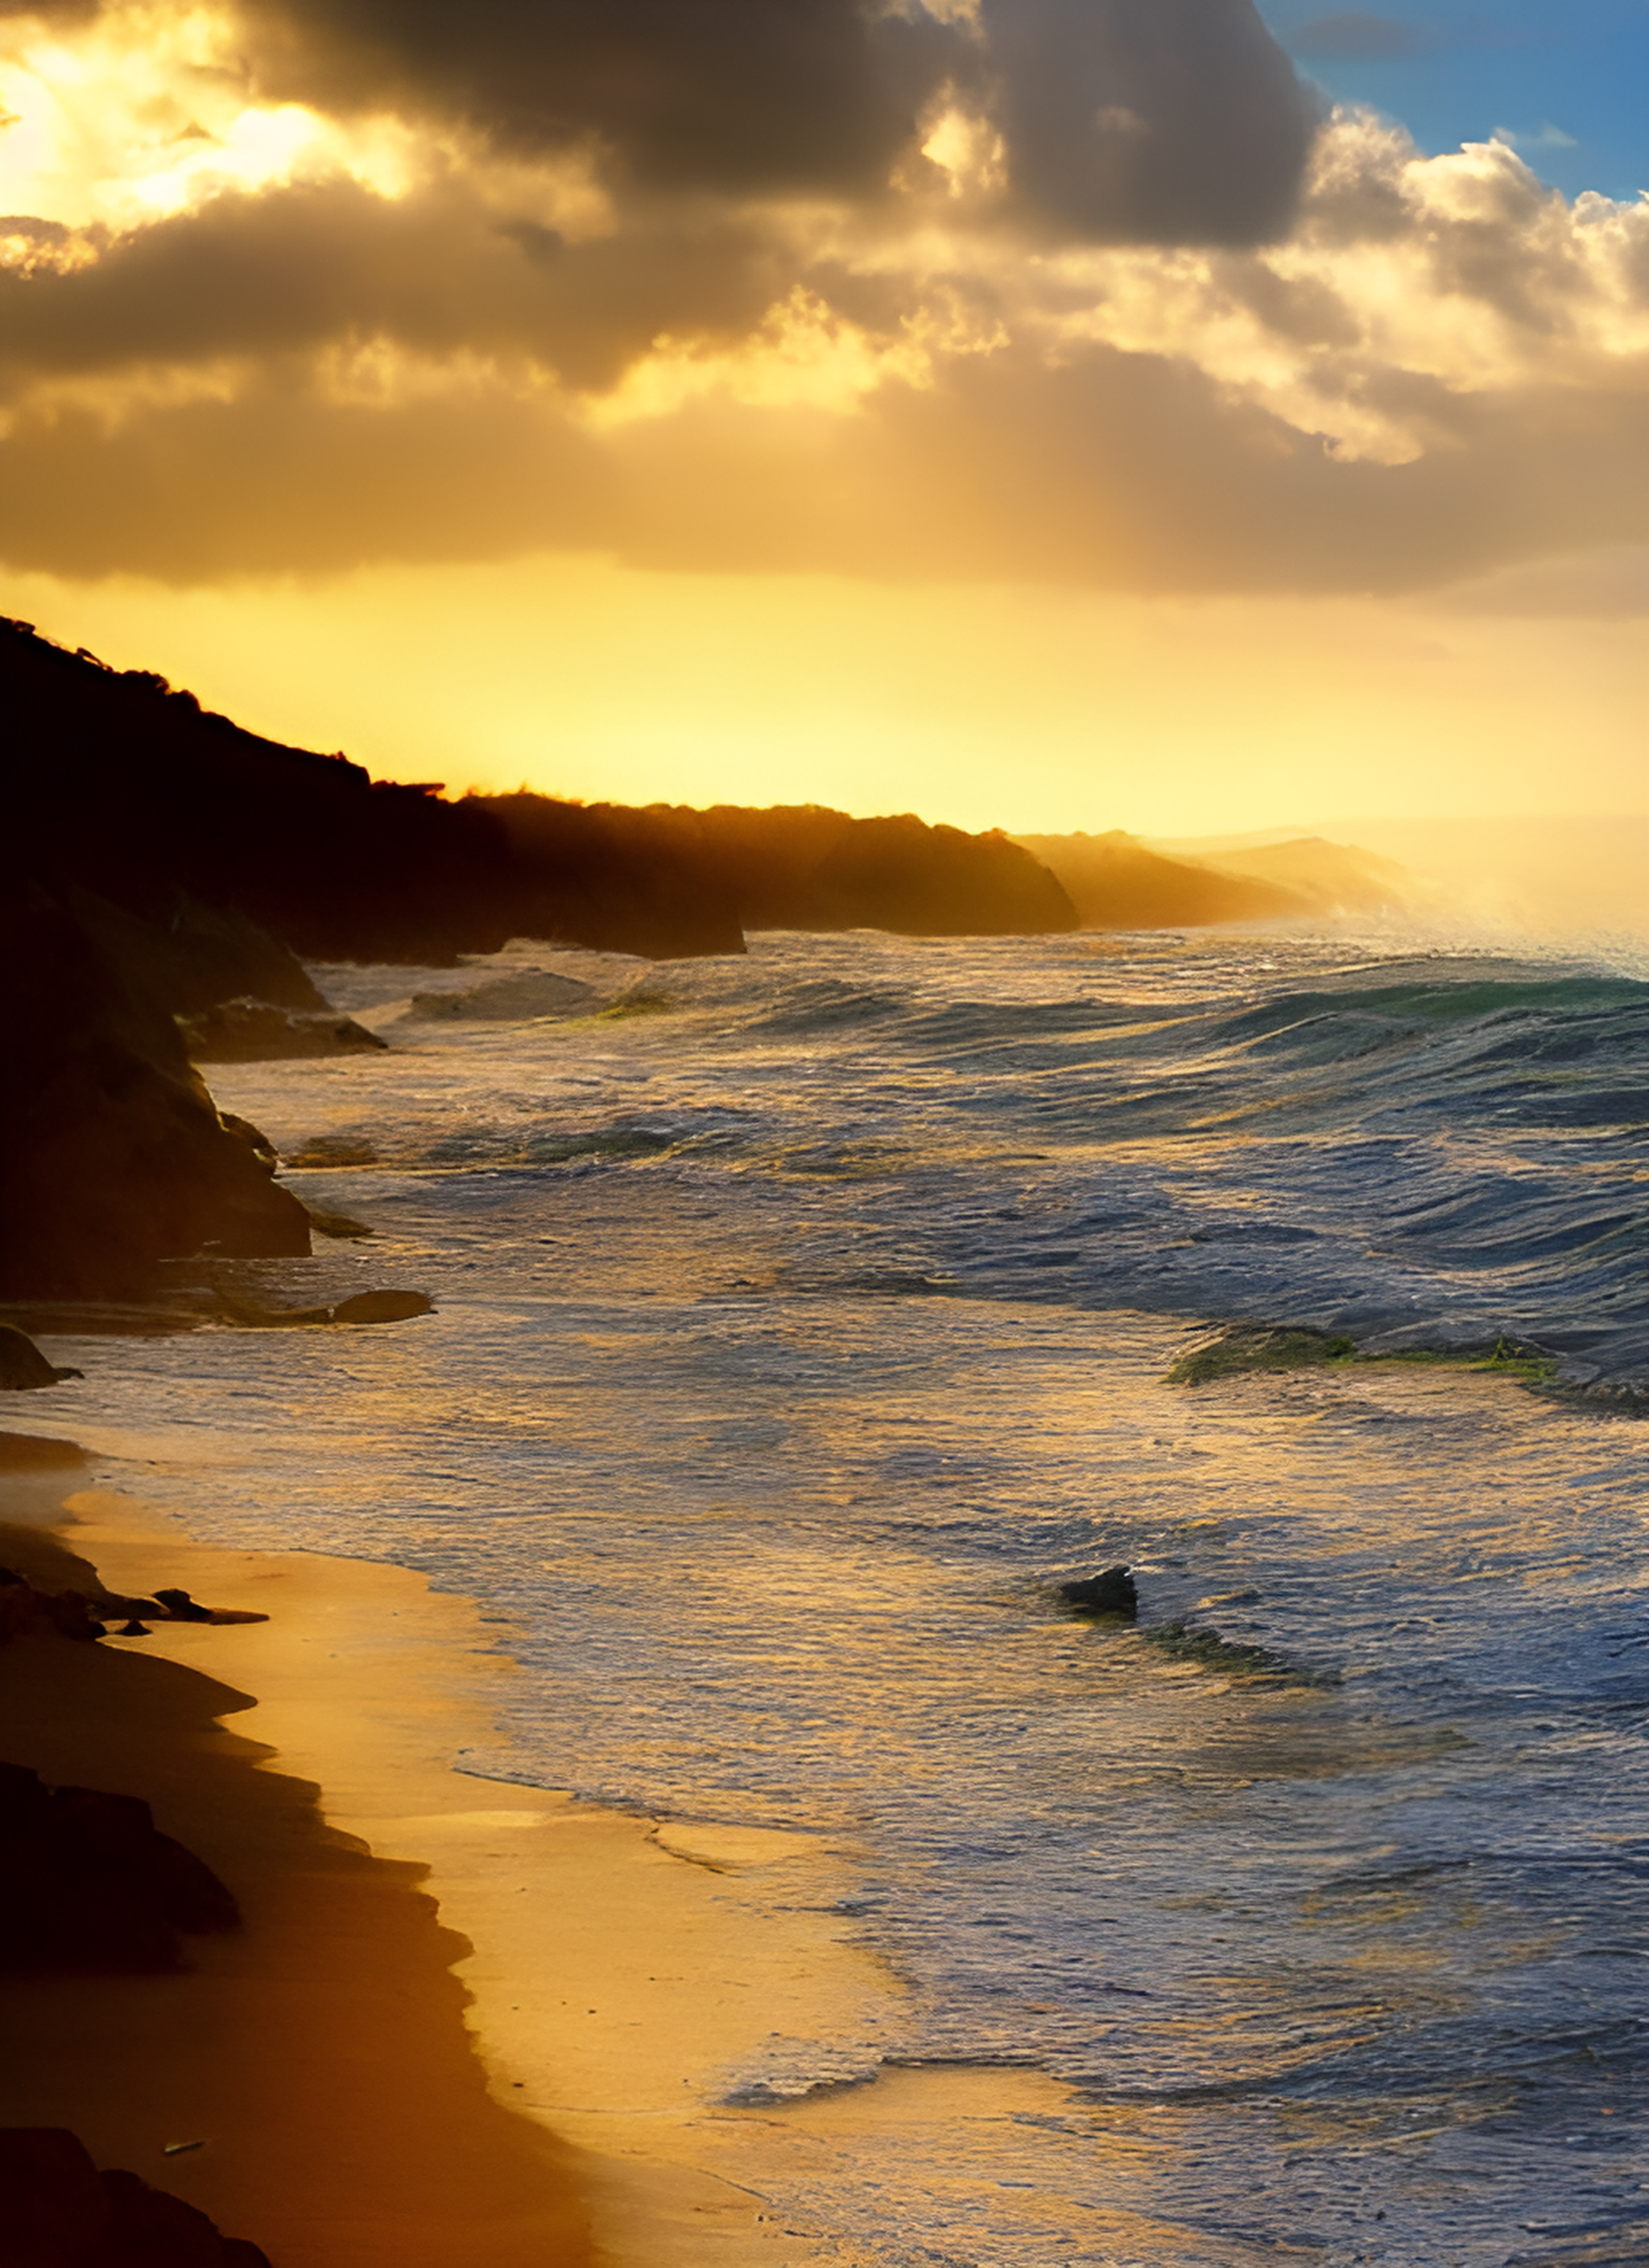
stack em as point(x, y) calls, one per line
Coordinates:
point(804, 1323)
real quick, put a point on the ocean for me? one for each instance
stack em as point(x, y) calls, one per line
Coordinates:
point(804, 1322)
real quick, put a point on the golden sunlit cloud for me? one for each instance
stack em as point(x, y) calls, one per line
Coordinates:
point(287, 294)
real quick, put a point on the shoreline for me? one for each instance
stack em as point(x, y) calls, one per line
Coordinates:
point(465, 2018)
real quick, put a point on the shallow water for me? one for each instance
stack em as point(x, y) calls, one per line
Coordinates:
point(797, 1337)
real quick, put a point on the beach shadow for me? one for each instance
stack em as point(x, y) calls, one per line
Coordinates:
point(318, 2057)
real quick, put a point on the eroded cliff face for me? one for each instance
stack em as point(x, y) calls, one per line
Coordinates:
point(113, 1155)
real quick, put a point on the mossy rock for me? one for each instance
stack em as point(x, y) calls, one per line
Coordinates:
point(1259, 1346)
point(1508, 1357)
point(1242, 1347)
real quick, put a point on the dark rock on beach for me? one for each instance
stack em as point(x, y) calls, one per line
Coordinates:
point(46, 1590)
point(1111, 1592)
point(89, 1886)
point(56, 2210)
point(26, 1610)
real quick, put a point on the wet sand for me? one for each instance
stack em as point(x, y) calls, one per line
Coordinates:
point(465, 2021)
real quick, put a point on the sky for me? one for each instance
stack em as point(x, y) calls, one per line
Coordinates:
point(1050, 414)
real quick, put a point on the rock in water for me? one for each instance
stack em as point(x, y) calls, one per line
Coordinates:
point(22, 1364)
point(382, 1306)
point(1111, 1592)
point(532, 992)
point(335, 1224)
point(259, 1031)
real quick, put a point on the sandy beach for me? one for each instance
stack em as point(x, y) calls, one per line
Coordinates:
point(464, 2021)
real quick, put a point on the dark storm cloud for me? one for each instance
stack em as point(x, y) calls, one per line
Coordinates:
point(1126, 121)
point(1141, 120)
point(731, 95)
point(300, 269)
point(1149, 122)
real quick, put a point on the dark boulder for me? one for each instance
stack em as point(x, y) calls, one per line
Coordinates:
point(88, 1885)
point(185, 957)
point(28, 1611)
point(1111, 1592)
point(181, 1608)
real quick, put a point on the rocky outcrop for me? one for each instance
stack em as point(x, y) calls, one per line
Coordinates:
point(331, 1151)
point(23, 1367)
point(28, 1611)
point(185, 957)
point(56, 2210)
point(89, 1886)
point(534, 992)
point(1111, 1592)
point(113, 1155)
point(382, 1308)
point(258, 1031)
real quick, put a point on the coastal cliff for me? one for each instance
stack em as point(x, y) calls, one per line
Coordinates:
point(165, 869)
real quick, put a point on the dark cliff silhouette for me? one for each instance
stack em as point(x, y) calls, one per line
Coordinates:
point(792, 866)
point(163, 870)
point(120, 786)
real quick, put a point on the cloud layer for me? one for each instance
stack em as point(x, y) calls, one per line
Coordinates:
point(1058, 289)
